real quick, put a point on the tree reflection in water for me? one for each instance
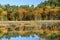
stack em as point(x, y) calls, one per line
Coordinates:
point(44, 31)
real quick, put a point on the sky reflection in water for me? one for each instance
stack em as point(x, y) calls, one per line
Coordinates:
point(23, 38)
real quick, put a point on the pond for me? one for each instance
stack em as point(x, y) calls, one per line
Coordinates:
point(27, 36)
point(16, 36)
point(17, 31)
point(22, 38)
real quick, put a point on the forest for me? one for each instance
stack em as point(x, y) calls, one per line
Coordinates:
point(47, 10)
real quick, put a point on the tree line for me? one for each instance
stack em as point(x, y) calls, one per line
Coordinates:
point(48, 10)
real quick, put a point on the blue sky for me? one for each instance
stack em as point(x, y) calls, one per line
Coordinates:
point(21, 2)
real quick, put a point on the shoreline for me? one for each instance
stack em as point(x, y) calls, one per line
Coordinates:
point(35, 21)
